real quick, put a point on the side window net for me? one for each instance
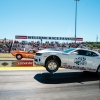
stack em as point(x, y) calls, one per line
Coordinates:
point(81, 52)
point(86, 53)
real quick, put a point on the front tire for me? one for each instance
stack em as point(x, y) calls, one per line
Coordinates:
point(18, 56)
point(52, 66)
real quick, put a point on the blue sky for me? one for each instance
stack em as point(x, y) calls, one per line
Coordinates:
point(50, 18)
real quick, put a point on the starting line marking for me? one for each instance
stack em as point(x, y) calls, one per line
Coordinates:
point(22, 68)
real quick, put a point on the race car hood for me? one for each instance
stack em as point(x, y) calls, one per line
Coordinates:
point(50, 51)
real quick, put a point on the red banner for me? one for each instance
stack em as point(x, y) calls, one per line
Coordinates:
point(20, 37)
point(23, 37)
point(22, 63)
point(79, 39)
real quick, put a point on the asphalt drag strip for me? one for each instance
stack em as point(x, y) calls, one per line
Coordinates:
point(41, 85)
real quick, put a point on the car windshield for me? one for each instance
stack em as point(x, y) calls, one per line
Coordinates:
point(28, 50)
point(68, 50)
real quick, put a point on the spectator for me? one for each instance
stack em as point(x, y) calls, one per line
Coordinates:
point(7, 46)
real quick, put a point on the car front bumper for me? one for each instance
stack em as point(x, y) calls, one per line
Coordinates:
point(38, 61)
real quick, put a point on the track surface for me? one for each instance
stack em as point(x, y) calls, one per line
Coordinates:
point(41, 85)
point(35, 83)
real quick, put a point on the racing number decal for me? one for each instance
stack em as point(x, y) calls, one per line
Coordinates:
point(80, 61)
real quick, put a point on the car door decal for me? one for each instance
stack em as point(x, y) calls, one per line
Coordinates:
point(64, 65)
point(80, 61)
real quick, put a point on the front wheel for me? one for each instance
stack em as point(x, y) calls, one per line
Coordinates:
point(18, 56)
point(52, 66)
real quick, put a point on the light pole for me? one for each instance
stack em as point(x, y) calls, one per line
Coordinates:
point(75, 19)
point(97, 39)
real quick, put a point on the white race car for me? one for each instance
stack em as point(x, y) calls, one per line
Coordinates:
point(72, 58)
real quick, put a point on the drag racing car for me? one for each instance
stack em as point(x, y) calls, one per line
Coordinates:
point(72, 58)
point(23, 54)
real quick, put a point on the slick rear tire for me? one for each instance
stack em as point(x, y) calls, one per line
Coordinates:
point(18, 56)
point(98, 70)
point(52, 66)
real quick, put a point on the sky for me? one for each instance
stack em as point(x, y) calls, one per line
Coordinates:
point(55, 18)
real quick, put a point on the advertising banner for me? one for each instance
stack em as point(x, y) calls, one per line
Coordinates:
point(48, 38)
point(79, 39)
point(20, 37)
point(5, 63)
point(22, 63)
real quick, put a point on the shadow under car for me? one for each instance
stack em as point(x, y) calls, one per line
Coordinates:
point(66, 77)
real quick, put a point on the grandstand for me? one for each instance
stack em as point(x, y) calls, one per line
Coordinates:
point(7, 45)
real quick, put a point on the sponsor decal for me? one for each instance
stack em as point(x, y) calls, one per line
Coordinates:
point(70, 67)
point(80, 61)
point(86, 69)
point(75, 67)
point(90, 69)
point(22, 63)
point(64, 65)
point(14, 63)
point(4, 64)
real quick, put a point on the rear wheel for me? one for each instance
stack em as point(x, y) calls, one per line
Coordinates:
point(52, 66)
point(98, 71)
point(18, 56)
